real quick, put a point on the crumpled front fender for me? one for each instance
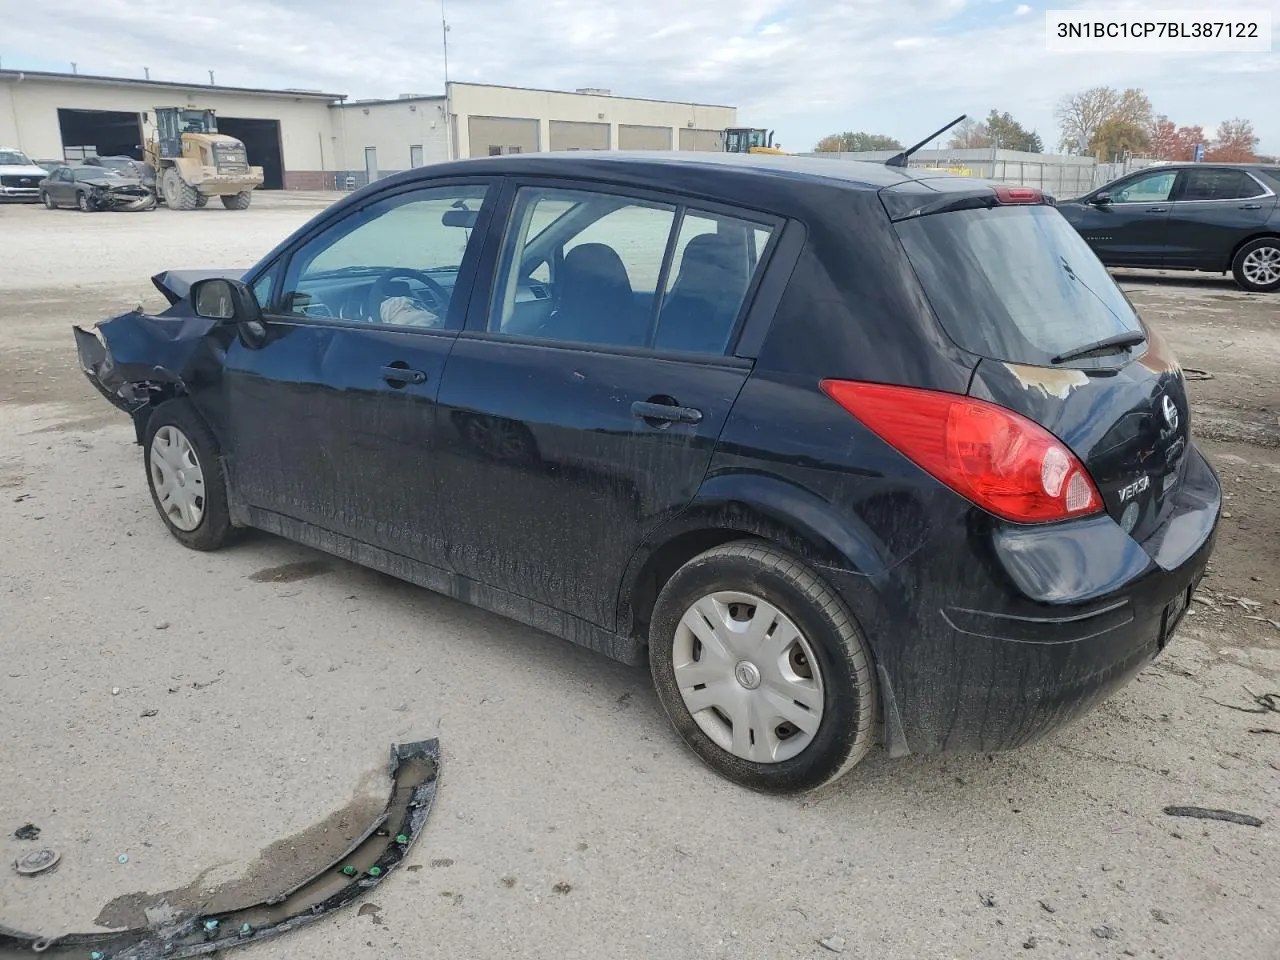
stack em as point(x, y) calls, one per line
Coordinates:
point(129, 357)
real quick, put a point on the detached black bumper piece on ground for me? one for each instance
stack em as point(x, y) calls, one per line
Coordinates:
point(414, 771)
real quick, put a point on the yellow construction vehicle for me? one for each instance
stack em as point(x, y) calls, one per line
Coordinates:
point(193, 162)
point(749, 140)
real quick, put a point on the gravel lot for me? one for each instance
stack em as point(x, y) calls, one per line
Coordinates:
point(277, 695)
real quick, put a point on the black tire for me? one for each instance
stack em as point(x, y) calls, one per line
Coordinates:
point(202, 201)
point(214, 529)
point(1253, 258)
point(48, 201)
point(178, 194)
point(848, 726)
point(83, 202)
point(237, 201)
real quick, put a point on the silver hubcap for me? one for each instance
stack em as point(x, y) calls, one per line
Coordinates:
point(748, 677)
point(177, 478)
point(1262, 266)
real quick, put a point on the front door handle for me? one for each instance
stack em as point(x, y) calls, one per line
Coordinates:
point(398, 375)
point(1157, 209)
point(1251, 206)
point(659, 413)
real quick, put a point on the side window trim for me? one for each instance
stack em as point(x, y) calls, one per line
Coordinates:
point(664, 276)
point(462, 289)
point(481, 305)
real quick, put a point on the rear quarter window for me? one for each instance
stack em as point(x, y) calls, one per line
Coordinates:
point(1014, 283)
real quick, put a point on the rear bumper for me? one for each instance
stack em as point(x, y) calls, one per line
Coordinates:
point(1043, 625)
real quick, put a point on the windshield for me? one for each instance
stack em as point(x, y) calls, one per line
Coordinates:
point(14, 158)
point(1015, 283)
point(196, 121)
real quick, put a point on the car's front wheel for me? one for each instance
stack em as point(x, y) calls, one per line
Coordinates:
point(760, 667)
point(1256, 265)
point(84, 203)
point(184, 472)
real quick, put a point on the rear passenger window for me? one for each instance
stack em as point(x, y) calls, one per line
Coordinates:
point(1220, 185)
point(707, 283)
point(602, 269)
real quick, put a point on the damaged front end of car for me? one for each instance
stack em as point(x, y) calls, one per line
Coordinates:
point(139, 360)
point(120, 194)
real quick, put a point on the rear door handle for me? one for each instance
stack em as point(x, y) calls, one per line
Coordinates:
point(398, 376)
point(664, 412)
point(1251, 206)
point(1157, 209)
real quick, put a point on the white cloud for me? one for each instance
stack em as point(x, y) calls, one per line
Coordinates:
point(803, 67)
point(1021, 10)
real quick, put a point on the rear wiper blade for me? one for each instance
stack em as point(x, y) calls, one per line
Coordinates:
point(1121, 341)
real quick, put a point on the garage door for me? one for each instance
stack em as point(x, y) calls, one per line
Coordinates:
point(103, 133)
point(490, 136)
point(261, 139)
point(708, 140)
point(633, 137)
point(568, 135)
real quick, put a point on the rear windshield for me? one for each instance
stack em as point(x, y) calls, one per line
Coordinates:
point(1015, 283)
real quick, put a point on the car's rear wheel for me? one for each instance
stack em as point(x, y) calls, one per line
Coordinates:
point(760, 667)
point(184, 473)
point(48, 201)
point(1256, 265)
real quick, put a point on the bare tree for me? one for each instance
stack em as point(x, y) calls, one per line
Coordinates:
point(1080, 114)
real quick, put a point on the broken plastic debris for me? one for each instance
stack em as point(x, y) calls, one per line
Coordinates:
point(37, 861)
point(28, 831)
point(1206, 813)
point(123, 858)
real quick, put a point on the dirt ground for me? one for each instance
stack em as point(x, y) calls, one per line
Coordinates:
point(222, 721)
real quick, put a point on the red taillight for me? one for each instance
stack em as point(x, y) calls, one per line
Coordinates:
point(1019, 195)
point(1000, 460)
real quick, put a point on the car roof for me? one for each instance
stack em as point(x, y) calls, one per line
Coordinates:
point(1209, 165)
point(659, 164)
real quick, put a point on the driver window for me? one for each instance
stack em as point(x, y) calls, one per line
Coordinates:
point(1154, 188)
point(394, 262)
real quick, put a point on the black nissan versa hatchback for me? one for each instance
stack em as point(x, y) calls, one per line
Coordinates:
point(849, 452)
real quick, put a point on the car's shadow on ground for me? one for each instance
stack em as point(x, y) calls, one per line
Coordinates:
point(1192, 281)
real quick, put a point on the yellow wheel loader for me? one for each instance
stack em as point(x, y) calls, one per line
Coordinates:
point(749, 140)
point(193, 161)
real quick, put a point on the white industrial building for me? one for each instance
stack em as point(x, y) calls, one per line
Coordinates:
point(309, 139)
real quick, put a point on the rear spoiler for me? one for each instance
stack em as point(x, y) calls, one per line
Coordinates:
point(922, 196)
point(176, 284)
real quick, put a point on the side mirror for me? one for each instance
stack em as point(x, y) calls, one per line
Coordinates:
point(1101, 199)
point(218, 298)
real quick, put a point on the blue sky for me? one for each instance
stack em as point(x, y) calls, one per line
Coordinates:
point(802, 67)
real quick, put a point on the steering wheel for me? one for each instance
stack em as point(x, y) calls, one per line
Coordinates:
point(380, 290)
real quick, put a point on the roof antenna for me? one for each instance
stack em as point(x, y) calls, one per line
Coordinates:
point(900, 159)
